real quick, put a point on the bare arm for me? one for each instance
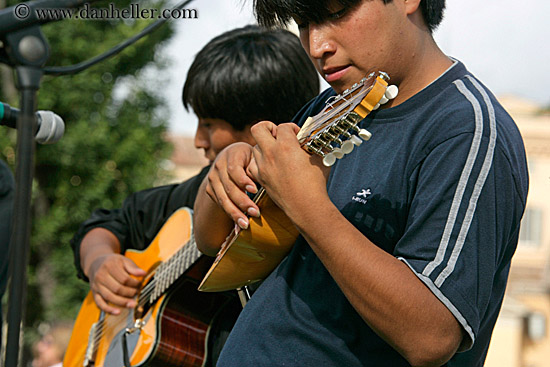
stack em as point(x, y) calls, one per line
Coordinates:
point(112, 276)
point(211, 223)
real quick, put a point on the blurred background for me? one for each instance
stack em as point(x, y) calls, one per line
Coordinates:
point(126, 130)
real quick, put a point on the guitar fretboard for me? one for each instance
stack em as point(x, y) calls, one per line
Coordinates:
point(170, 271)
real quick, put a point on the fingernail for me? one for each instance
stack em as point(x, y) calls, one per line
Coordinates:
point(242, 223)
point(253, 212)
point(131, 304)
point(251, 189)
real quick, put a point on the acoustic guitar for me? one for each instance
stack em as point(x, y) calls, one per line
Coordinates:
point(248, 256)
point(172, 323)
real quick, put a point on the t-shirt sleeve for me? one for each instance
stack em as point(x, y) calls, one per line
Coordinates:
point(462, 225)
point(141, 216)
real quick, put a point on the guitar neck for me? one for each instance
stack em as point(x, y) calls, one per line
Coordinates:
point(169, 271)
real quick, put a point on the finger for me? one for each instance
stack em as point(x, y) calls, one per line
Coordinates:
point(115, 299)
point(133, 269)
point(235, 171)
point(288, 131)
point(252, 169)
point(120, 278)
point(264, 132)
point(104, 306)
point(228, 205)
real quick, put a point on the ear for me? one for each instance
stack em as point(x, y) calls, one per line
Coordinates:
point(411, 6)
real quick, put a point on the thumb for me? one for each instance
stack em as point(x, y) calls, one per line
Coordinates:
point(133, 269)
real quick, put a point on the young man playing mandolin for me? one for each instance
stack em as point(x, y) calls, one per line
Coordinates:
point(405, 243)
point(228, 88)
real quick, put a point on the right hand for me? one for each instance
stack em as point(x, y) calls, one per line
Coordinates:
point(228, 183)
point(114, 282)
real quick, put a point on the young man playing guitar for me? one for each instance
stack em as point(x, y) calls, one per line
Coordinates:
point(406, 242)
point(239, 78)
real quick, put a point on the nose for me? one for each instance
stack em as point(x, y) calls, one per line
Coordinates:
point(317, 41)
point(201, 139)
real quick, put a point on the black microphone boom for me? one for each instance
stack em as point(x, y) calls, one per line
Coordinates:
point(50, 127)
point(24, 15)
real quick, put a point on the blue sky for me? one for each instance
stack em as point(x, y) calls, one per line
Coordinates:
point(504, 43)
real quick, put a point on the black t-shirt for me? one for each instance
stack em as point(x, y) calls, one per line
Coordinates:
point(141, 217)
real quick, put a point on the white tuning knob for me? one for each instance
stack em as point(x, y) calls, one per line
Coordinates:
point(338, 153)
point(364, 134)
point(383, 100)
point(391, 92)
point(347, 147)
point(329, 159)
point(355, 140)
point(377, 106)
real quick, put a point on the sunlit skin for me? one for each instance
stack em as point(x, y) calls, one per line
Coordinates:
point(373, 36)
point(344, 48)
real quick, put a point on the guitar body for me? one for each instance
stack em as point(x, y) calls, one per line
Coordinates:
point(249, 256)
point(174, 330)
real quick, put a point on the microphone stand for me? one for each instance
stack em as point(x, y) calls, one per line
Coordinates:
point(27, 51)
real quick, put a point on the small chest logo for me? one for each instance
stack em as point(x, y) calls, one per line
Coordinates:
point(362, 196)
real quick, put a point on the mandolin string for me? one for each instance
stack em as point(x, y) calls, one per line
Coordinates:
point(337, 108)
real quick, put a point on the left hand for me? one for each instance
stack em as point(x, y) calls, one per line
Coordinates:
point(288, 173)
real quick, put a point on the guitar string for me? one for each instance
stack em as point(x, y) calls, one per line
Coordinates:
point(169, 271)
point(171, 263)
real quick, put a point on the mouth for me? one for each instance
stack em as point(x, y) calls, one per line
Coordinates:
point(332, 74)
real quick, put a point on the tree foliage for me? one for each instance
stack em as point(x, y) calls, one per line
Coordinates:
point(112, 146)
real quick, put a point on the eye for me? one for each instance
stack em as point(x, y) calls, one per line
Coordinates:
point(300, 23)
point(338, 14)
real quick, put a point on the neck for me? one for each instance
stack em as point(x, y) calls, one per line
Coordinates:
point(422, 63)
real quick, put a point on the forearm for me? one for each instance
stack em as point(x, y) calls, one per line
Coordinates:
point(210, 223)
point(383, 290)
point(95, 244)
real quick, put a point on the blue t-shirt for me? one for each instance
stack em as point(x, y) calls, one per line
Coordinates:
point(441, 185)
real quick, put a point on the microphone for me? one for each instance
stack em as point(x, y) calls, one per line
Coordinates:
point(24, 15)
point(50, 126)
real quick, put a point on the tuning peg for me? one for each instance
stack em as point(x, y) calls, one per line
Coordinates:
point(383, 100)
point(364, 134)
point(338, 153)
point(391, 92)
point(355, 140)
point(329, 159)
point(377, 106)
point(347, 147)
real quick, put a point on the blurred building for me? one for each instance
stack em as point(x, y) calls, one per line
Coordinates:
point(521, 337)
point(186, 160)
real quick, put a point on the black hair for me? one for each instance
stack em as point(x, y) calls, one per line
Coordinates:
point(279, 12)
point(250, 74)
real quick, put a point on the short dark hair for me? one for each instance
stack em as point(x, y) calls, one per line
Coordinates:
point(250, 74)
point(279, 12)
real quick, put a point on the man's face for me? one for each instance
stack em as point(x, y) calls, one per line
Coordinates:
point(213, 135)
point(356, 41)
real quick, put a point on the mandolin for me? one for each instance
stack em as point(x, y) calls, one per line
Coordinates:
point(250, 255)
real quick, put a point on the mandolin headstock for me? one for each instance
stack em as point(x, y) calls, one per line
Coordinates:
point(333, 132)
